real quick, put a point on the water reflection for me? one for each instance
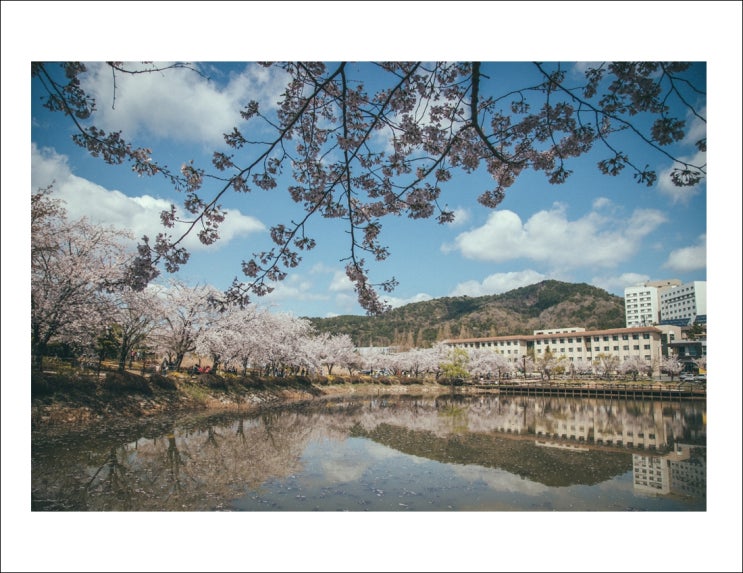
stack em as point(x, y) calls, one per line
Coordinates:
point(388, 453)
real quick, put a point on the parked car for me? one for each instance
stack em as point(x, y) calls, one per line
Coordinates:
point(700, 378)
point(687, 377)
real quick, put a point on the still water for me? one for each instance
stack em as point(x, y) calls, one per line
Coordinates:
point(452, 452)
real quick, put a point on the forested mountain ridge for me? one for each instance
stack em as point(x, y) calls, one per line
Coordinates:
point(548, 304)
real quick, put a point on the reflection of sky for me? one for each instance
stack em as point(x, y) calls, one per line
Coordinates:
point(500, 480)
point(358, 474)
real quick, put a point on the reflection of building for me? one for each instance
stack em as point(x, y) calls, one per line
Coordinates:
point(689, 475)
point(579, 426)
point(682, 471)
point(604, 424)
point(651, 474)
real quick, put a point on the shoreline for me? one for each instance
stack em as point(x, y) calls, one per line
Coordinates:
point(59, 400)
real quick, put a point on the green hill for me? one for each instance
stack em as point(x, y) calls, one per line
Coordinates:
point(548, 304)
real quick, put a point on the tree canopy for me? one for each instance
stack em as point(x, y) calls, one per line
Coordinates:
point(363, 142)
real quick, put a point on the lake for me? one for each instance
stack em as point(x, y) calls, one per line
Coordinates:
point(386, 453)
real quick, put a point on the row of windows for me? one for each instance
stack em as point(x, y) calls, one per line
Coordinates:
point(605, 338)
point(598, 348)
point(645, 357)
point(645, 336)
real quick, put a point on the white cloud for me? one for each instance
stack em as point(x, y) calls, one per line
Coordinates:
point(461, 217)
point(549, 237)
point(499, 480)
point(293, 288)
point(602, 203)
point(140, 215)
point(340, 282)
point(681, 194)
point(347, 303)
point(178, 104)
point(697, 127)
point(395, 302)
point(688, 259)
point(498, 283)
point(617, 284)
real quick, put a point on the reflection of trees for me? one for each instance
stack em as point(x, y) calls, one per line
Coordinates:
point(198, 463)
point(191, 467)
point(174, 463)
point(518, 456)
point(110, 481)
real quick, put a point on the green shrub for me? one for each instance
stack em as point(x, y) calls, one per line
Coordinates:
point(451, 381)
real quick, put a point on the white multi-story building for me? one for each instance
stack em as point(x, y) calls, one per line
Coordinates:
point(577, 345)
point(642, 302)
point(684, 302)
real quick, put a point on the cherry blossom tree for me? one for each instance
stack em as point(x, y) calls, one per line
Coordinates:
point(134, 315)
point(73, 265)
point(282, 340)
point(330, 350)
point(701, 363)
point(360, 156)
point(606, 365)
point(546, 364)
point(485, 362)
point(417, 361)
point(234, 337)
point(251, 323)
point(582, 367)
point(671, 365)
point(635, 366)
point(187, 312)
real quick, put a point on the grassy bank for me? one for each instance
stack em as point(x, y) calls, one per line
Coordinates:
point(74, 397)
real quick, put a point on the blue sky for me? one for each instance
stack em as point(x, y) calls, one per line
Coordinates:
point(605, 231)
